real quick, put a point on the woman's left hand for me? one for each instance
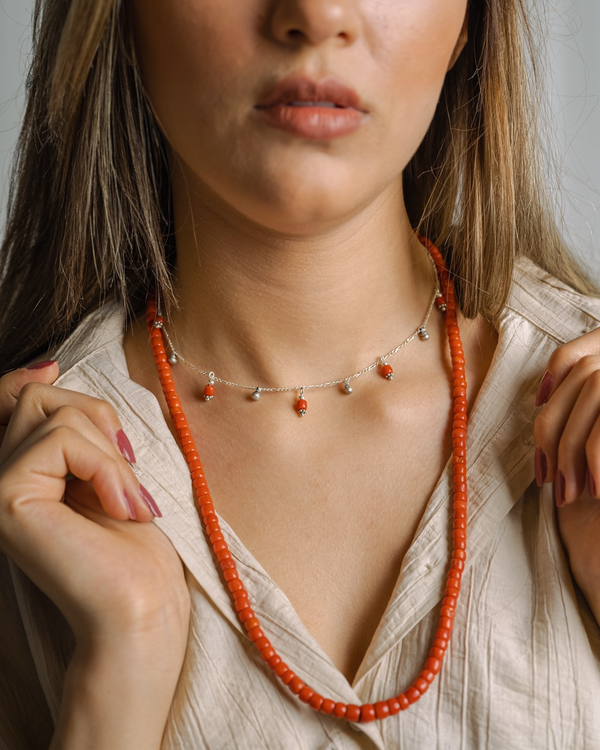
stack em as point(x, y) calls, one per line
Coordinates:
point(567, 438)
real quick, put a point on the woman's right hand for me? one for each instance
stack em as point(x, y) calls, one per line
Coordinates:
point(118, 582)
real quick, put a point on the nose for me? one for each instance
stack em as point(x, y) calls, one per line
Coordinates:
point(297, 22)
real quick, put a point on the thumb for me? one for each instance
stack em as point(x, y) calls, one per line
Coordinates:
point(12, 383)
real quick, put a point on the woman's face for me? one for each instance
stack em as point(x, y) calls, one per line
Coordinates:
point(234, 85)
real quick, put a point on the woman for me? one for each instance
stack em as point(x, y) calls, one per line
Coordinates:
point(285, 154)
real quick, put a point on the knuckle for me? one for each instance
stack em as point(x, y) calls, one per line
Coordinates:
point(66, 415)
point(29, 392)
point(587, 364)
point(104, 411)
point(559, 357)
point(593, 380)
point(568, 447)
point(543, 428)
point(592, 449)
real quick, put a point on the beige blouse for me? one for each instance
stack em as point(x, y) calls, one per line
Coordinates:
point(522, 670)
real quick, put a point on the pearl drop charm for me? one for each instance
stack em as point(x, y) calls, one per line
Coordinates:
point(173, 359)
point(423, 333)
point(347, 387)
point(256, 394)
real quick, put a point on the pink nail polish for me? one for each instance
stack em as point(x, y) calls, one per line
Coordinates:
point(559, 489)
point(544, 389)
point(149, 500)
point(41, 365)
point(541, 466)
point(125, 447)
point(130, 507)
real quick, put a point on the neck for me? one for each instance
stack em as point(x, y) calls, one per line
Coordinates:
point(275, 309)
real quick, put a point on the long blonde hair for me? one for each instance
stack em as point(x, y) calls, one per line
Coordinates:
point(89, 205)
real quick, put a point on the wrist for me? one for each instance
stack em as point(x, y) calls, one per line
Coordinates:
point(118, 695)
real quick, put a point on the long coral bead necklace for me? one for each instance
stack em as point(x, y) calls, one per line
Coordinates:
point(350, 712)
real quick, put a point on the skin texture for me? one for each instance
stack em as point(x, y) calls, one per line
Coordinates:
point(296, 263)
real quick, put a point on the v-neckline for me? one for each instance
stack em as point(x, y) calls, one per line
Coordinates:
point(436, 516)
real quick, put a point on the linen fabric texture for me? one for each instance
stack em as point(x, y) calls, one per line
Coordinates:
point(523, 667)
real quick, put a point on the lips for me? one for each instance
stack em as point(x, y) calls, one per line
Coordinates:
point(318, 110)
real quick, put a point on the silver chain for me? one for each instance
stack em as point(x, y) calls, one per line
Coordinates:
point(420, 331)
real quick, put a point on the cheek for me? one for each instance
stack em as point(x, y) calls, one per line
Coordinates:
point(413, 58)
point(189, 54)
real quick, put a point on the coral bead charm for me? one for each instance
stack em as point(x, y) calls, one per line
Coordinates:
point(387, 371)
point(209, 389)
point(301, 407)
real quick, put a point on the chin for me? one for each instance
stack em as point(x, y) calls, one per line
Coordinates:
point(293, 203)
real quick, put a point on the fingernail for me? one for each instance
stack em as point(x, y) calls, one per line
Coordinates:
point(130, 507)
point(559, 489)
point(544, 389)
point(41, 365)
point(591, 483)
point(125, 447)
point(149, 500)
point(540, 463)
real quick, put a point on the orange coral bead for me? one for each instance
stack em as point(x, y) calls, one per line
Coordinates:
point(382, 709)
point(340, 710)
point(353, 712)
point(316, 702)
point(306, 694)
point(367, 713)
point(267, 653)
point(301, 406)
point(387, 371)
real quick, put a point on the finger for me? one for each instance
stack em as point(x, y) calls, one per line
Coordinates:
point(552, 420)
point(39, 532)
point(573, 445)
point(592, 453)
point(12, 383)
point(562, 362)
point(37, 401)
point(138, 502)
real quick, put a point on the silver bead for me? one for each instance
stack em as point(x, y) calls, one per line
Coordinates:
point(302, 412)
point(173, 359)
point(158, 324)
point(208, 398)
point(423, 333)
point(256, 394)
point(347, 387)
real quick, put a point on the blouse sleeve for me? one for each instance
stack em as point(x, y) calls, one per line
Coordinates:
point(25, 716)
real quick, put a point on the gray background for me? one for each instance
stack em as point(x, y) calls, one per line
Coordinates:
point(572, 123)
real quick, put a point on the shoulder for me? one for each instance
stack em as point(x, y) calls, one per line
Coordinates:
point(94, 352)
point(100, 330)
point(550, 305)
